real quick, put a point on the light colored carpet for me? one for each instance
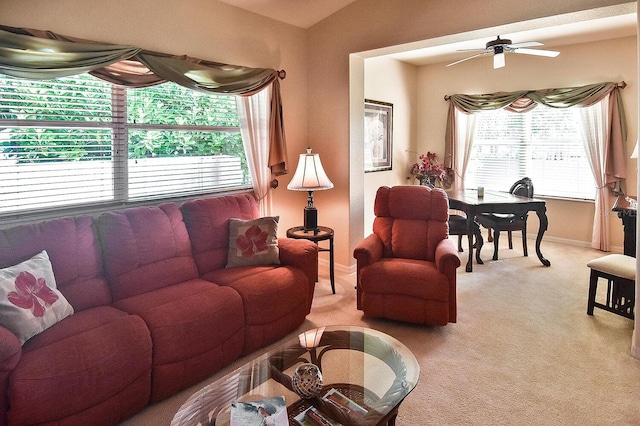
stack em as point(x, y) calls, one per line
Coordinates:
point(523, 352)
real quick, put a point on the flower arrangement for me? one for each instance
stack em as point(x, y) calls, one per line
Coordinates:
point(429, 170)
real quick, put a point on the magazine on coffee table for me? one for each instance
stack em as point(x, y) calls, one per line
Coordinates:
point(312, 417)
point(348, 406)
point(269, 412)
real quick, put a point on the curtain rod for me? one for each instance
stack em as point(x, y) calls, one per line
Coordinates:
point(621, 85)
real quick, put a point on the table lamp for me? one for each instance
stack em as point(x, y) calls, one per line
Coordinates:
point(310, 176)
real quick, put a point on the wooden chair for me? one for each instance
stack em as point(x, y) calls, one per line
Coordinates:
point(509, 222)
point(458, 226)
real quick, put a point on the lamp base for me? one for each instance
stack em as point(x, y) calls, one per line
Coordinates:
point(310, 219)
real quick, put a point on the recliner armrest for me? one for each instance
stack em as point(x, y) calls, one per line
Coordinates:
point(368, 251)
point(447, 258)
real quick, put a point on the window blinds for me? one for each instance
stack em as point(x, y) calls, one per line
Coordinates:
point(544, 144)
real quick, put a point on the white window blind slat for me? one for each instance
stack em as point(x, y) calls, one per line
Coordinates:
point(544, 144)
point(79, 140)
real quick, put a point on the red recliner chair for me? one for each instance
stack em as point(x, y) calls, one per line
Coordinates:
point(407, 267)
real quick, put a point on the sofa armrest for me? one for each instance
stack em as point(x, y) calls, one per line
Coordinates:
point(447, 262)
point(10, 353)
point(302, 254)
point(367, 252)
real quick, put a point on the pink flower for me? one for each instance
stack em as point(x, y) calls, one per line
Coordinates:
point(253, 241)
point(29, 291)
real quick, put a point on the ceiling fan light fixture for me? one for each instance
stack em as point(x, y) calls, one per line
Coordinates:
point(500, 46)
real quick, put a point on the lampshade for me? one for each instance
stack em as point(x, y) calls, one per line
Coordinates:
point(311, 338)
point(310, 175)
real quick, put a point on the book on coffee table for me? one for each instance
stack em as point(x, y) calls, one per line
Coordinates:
point(340, 401)
point(269, 412)
point(312, 417)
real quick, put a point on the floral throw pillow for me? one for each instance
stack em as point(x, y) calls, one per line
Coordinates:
point(29, 300)
point(253, 242)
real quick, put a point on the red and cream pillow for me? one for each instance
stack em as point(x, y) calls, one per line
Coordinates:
point(29, 300)
point(253, 242)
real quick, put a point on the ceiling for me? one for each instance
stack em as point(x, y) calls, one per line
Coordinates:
point(306, 13)
point(301, 13)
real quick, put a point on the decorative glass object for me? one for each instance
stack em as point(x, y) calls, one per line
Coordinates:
point(307, 380)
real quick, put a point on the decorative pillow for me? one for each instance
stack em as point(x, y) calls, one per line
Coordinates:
point(29, 300)
point(253, 242)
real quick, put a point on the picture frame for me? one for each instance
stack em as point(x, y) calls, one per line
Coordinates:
point(378, 136)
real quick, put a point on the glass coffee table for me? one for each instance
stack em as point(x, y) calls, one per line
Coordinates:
point(371, 369)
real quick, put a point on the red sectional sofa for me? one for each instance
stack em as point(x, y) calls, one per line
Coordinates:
point(155, 309)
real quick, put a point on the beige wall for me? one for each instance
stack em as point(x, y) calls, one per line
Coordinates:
point(205, 29)
point(610, 60)
point(337, 48)
point(391, 81)
point(324, 86)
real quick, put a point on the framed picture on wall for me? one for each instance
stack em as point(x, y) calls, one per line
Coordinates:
point(378, 135)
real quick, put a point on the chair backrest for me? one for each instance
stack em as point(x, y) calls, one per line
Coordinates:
point(522, 187)
point(411, 220)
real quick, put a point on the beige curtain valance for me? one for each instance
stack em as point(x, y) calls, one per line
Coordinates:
point(40, 55)
point(526, 100)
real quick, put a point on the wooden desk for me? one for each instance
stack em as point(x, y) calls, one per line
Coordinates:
point(627, 213)
point(497, 202)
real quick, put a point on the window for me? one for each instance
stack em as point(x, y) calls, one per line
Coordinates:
point(82, 141)
point(544, 144)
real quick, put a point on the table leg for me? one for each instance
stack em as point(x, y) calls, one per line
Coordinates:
point(470, 220)
point(331, 271)
point(479, 243)
point(542, 216)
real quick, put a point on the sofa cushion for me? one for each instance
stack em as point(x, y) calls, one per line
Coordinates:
point(197, 328)
point(274, 298)
point(29, 300)
point(253, 242)
point(207, 221)
point(74, 253)
point(95, 364)
point(145, 248)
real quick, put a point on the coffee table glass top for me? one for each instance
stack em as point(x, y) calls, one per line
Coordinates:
point(373, 369)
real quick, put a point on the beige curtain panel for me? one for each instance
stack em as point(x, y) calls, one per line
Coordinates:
point(36, 54)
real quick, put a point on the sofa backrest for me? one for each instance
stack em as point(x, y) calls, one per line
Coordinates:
point(411, 220)
point(144, 249)
point(74, 253)
point(207, 221)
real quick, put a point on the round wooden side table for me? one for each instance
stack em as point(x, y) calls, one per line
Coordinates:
point(323, 233)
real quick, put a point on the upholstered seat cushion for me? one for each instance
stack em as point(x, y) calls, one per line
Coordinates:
point(197, 328)
point(406, 290)
point(268, 315)
point(56, 379)
point(615, 264)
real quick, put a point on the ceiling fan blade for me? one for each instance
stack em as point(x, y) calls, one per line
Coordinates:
point(498, 61)
point(526, 44)
point(467, 58)
point(538, 52)
point(471, 50)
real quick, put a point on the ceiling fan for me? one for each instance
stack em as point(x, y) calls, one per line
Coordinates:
point(500, 46)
